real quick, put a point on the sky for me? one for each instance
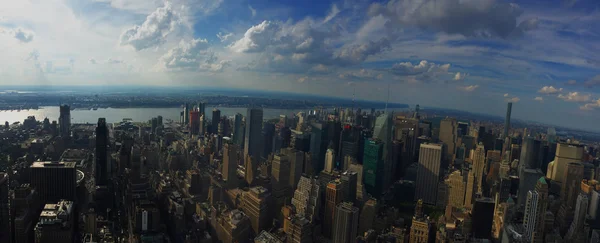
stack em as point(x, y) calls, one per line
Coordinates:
point(472, 55)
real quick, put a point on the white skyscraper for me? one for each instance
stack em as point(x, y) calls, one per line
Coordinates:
point(531, 210)
point(428, 173)
point(329, 160)
point(307, 198)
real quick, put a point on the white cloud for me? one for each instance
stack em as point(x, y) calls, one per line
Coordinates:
point(334, 11)
point(469, 88)
point(575, 97)
point(362, 74)
point(223, 37)
point(192, 55)
point(154, 31)
point(408, 69)
point(506, 95)
point(591, 106)
point(319, 68)
point(257, 38)
point(539, 98)
point(460, 76)
point(252, 11)
point(513, 99)
point(549, 90)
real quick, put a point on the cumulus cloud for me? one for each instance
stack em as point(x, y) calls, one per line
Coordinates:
point(319, 68)
point(591, 106)
point(513, 99)
point(154, 31)
point(487, 18)
point(363, 74)
point(575, 97)
point(424, 67)
point(192, 55)
point(334, 11)
point(539, 98)
point(223, 37)
point(257, 38)
point(572, 82)
point(355, 54)
point(469, 88)
point(252, 11)
point(592, 81)
point(460, 76)
point(549, 90)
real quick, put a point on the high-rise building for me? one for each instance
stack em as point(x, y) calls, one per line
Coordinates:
point(195, 122)
point(367, 215)
point(333, 196)
point(102, 165)
point(581, 209)
point(255, 205)
point(300, 230)
point(230, 163)
point(483, 217)
point(238, 130)
point(572, 181)
point(471, 188)
point(456, 189)
point(565, 153)
point(4, 205)
point(420, 230)
point(329, 160)
point(296, 159)
point(449, 135)
point(318, 146)
point(252, 143)
point(373, 167)
point(280, 181)
point(307, 198)
point(54, 180)
point(56, 223)
point(268, 135)
point(345, 223)
point(64, 120)
point(216, 119)
point(535, 212)
point(527, 183)
point(479, 164)
point(349, 184)
point(507, 120)
point(24, 209)
point(428, 173)
point(383, 132)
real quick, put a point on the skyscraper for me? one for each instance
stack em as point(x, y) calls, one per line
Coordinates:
point(345, 223)
point(252, 143)
point(570, 187)
point(565, 153)
point(307, 198)
point(428, 173)
point(349, 185)
point(238, 130)
point(333, 196)
point(255, 205)
point(373, 167)
point(449, 135)
point(230, 163)
point(54, 180)
point(535, 212)
point(456, 189)
point(102, 170)
point(64, 120)
point(216, 119)
point(56, 223)
point(318, 145)
point(329, 160)
point(478, 160)
point(507, 120)
point(383, 132)
point(483, 217)
point(581, 208)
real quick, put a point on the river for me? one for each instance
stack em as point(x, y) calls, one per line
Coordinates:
point(136, 114)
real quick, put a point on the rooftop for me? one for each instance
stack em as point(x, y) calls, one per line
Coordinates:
point(49, 164)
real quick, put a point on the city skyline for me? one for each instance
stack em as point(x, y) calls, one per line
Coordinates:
point(536, 57)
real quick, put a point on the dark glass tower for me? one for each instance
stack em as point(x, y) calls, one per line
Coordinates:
point(101, 152)
point(216, 118)
point(507, 120)
point(64, 121)
point(252, 140)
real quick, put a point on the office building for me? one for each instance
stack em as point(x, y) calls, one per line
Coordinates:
point(449, 135)
point(102, 159)
point(233, 226)
point(238, 130)
point(54, 180)
point(479, 165)
point(307, 198)
point(195, 122)
point(345, 223)
point(318, 146)
point(565, 153)
point(268, 135)
point(456, 189)
point(333, 196)
point(471, 189)
point(56, 223)
point(329, 160)
point(421, 228)
point(373, 167)
point(4, 205)
point(581, 211)
point(296, 159)
point(252, 138)
point(535, 212)
point(256, 206)
point(216, 119)
point(300, 230)
point(572, 181)
point(383, 132)
point(280, 181)
point(527, 183)
point(64, 121)
point(349, 185)
point(23, 211)
point(428, 173)
point(483, 217)
point(230, 163)
point(507, 120)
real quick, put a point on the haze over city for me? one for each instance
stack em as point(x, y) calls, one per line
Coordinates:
point(467, 55)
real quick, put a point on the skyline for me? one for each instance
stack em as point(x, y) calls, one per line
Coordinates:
point(466, 55)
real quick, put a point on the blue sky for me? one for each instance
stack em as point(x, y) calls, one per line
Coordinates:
point(473, 55)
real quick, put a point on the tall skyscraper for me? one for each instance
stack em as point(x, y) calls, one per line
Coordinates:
point(565, 153)
point(383, 132)
point(572, 181)
point(318, 145)
point(478, 160)
point(329, 160)
point(64, 120)
point(483, 217)
point(449, 135)
point(345, 223)
point(373, 167)
point(333, 196)
point(230, 163)
point(456, 189)
point(575, 232)
point(238, 130)
point(307, 198)
point(535, 212)
point(4, 205)
point(255, 205)
point(54, 180)
point(349, 185)
point(507, 120)
point(280, 181)
point(24, 209)
point(101, 172)
point(268, 135)
point(252, 143)
point(216, 119)
point(428, 172)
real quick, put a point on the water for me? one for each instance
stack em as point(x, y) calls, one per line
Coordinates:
point(136, 114)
